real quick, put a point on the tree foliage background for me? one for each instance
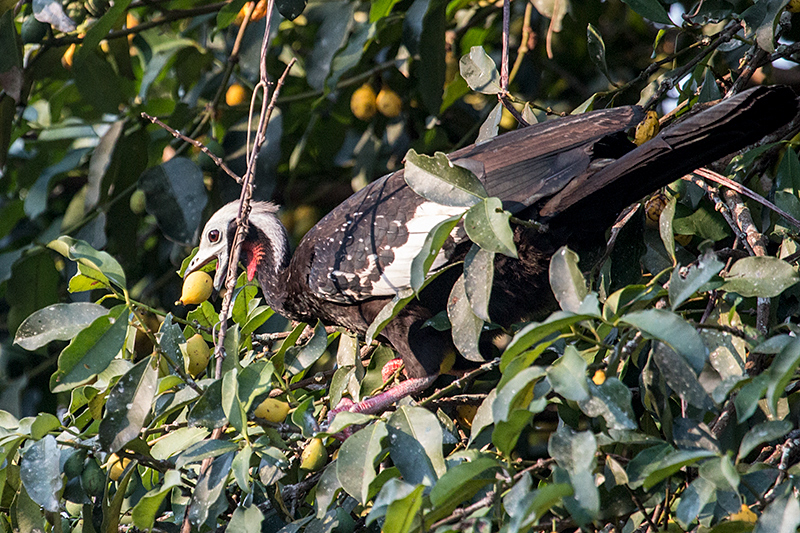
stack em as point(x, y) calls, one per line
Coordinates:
point(662, 395)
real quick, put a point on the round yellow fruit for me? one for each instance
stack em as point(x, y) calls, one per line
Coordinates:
point(599, 377)
point(197, 288)
point(466, 414)
point(653, 209)
point(259, 12)
point(314, 456)
point(389, 103)
point(117, 466)
point(793, 6)
point(363, 103)
point(272, 410)
point(235, 95)
point(197, 355)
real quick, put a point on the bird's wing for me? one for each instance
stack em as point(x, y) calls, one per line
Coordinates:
point(364, 248)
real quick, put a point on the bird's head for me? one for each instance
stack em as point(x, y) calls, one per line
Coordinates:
point(265, 248)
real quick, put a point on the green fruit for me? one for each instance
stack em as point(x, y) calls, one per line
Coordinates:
point(73, 466)
point(33, 31)
point(137, 202)
point(93, 479)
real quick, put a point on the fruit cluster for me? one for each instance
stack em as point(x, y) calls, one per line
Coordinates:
point(365, 103)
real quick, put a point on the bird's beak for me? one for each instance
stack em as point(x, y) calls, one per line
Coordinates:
point(205, 256)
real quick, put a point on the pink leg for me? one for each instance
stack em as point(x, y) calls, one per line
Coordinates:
point(390, 368)
point(380, 402)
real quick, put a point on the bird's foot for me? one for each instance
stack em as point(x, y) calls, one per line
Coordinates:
point(390, 368)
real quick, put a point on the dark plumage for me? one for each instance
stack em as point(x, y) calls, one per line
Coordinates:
point(575, 174)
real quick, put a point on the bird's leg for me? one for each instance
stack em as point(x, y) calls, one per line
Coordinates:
point(380, 402)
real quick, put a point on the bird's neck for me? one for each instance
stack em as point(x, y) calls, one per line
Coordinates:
point(268, 262)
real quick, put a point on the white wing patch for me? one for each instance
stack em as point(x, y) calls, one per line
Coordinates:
point(396, 275)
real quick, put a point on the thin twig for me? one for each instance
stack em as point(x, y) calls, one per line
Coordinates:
point(178, 135)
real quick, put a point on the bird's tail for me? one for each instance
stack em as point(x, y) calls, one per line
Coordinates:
point(678, 150)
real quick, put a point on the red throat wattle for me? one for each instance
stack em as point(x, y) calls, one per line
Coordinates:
point(254, 252)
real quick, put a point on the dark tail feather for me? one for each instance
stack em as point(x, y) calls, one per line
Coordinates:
point(678, 150)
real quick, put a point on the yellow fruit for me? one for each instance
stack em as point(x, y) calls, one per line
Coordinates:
point(197, 355)
point(363, 103)
point(259, 12)
point(235, 95)
point(389, 103)
point(272, 410)
point(745, 515)
point(117, 466)
point(599, 377)
point(314, 456)
point(137, 202)
point(465, 414)
point(197, 288)
point(653, 208)
point(647, 128)
point(793, 6)
point(68, 57)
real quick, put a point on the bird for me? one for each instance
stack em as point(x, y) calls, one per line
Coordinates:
point(571, 175)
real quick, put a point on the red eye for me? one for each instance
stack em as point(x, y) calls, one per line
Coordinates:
point(213, 236)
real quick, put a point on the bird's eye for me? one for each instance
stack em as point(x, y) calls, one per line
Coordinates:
point(213, 236)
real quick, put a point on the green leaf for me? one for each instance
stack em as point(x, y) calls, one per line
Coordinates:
point(575, 453)
point(40, 472)
point(463, 481)
point(762, 276)
point(128, 405)
point(697, 495)
point(387, 313)
point(491, 126)
point(566, 280)
point(91, 351)
point(416, 445)
point(203, 449)
point(761, 433)
point(439, 180)
point(466, 327)
point(597, 50)
point(780, 516)
point(746, 401)
point(434, 241)
point(682, 288)
point(403, 512)
point(487, 225)
point(651, 10)
point(537, 331)
point(177, 441)
point(760, 19)
point(672, 463)
point(478, 276)
point(246, 519)
point(612, 401)
point(380, 9)
point(297, 360)
point(665, 229)
point(681, 377)
point(241, 468)
point(208, 411)
point(234, 410)
point(175, 196)
point(208, 498)
point(56, 322)
point(567, 376)
point(290, 9)
point(145, 511)
point(355, 465)
point(671, 329)
point(516, 393)
point(781, 372)
point(81, 252)
point(480, 71)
